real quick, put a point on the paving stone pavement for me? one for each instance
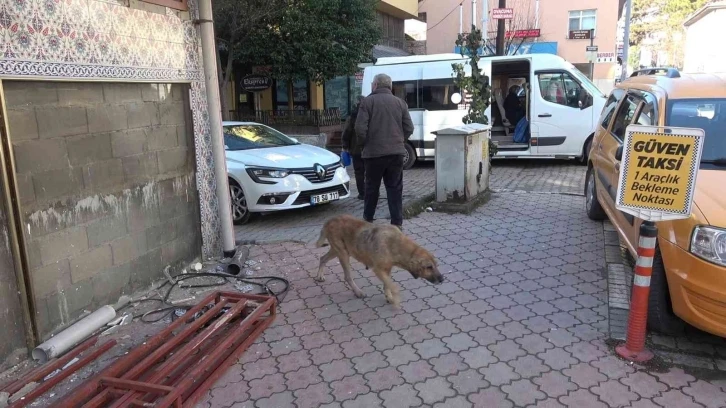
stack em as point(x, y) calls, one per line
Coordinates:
point(303, 225)
point(520, 322)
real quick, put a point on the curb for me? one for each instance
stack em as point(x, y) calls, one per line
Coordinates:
point(619, 279)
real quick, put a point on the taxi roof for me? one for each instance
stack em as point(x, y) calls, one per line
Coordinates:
point(687, 86)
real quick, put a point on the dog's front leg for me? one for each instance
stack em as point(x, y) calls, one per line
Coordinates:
point(390, 289)
point(345, 263)
point(323, 260)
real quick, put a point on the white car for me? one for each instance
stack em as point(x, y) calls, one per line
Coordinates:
point(269, 171)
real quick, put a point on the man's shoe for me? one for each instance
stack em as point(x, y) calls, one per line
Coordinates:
point(361, 197)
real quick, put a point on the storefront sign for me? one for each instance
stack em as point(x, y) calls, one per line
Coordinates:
point(658, 172)
point(605, 57)
point(523, 33)
point(256, 83)
point(579, 35)
point(502, 14)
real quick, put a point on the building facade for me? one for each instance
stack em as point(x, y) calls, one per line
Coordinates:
point(563, 25)
point(108, 173)
point(700, 53)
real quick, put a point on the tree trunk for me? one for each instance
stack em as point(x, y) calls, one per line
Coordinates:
point(222, 78)
point(290, 95)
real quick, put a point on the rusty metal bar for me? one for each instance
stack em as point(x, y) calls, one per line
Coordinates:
point(197, 394)
point(122, 384)
point(50, 383)
point(168, 365)
point(90, 387)
point(42, 371)
point(196, 373)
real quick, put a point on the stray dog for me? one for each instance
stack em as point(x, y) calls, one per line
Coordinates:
point(380, 247)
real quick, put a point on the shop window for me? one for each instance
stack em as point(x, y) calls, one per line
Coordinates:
point(336, 95)
point(301, 91)
point(583, 20)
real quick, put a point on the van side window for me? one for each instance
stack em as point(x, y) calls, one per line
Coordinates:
point(562, 89)
point(436, 94)
point(624, 117)
point(409, 92)
point(609, 109)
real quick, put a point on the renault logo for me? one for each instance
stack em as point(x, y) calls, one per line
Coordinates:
point(320, 171)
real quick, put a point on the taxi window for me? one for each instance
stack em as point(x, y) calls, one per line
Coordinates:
point(624, 117)
point(609, 109)
point(706, 114)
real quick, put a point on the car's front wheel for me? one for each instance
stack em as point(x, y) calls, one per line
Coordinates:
point(660, 309)
point(592, 204)
point(410, 157)
point(240, 213)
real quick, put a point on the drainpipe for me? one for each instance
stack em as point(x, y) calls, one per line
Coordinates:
point(209, 60)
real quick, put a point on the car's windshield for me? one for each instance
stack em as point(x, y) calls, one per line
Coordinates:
point(243, 137)
point(586, 83)
point(706, 114)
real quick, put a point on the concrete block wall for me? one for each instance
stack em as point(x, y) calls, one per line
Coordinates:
point(106, 174)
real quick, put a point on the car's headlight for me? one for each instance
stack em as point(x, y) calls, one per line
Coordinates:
point(257, 174)
point(710, 244)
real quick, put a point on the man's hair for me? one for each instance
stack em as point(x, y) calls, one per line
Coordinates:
point(382, 81)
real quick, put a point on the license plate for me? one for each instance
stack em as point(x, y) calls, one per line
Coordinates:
point(324, 198)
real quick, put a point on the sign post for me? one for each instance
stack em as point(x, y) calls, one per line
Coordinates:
point(656, 183)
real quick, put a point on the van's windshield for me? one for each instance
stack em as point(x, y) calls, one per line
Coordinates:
point(587, 84)
point(706, 114)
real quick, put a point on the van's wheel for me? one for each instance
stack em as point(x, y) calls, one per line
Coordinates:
point(409, 159)
point(240, 212)
point(660, 308)
point(586, 151)
point(592, 204)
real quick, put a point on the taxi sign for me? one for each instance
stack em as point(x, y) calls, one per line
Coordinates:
point(658, 172)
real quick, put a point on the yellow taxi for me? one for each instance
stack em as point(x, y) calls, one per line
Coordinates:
point(689, 268)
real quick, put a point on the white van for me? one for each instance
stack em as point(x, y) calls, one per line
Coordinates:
point(561, 104)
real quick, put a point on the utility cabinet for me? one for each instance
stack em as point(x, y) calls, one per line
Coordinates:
point(462, 163)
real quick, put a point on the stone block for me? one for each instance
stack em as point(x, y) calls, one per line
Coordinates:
point(66, 305)
point(143, 212)
point(103, 174)
point(29, 93)
point(146, 268)
point(183, 136)
point(165, 92)
point(51, 278)
point(33, 249)
point(150, 92)
point(173, 251)
point(172, 113)
point(121, 93)
point(63, 244)
point(89, 264)
point(161, 234)
point(40, 155)
point(22, 124)
point(25, 188)
point(107, 118)
point(129, 142)
point(129, 248)
point(178, 91)
point(60, 121)
point(173, 160)
point(140, 167)
point(79, 93)
point(161, 138)
point(143, 114)
point(89, 148)
point(54, 184)
point(110, 284)
point(106, 230)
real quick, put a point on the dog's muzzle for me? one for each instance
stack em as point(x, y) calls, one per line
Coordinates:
point(437, 279)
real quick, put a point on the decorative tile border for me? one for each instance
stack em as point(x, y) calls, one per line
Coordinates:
point(102, 40)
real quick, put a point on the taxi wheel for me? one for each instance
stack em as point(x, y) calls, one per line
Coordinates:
point(592, 204)
point(660, 309)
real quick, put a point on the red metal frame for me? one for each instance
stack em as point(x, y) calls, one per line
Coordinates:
point(177, 366)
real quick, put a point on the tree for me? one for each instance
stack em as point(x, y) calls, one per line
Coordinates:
point(475, 86)
point(238, 24)
point(318, 40)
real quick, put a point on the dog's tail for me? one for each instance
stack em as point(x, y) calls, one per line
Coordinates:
point(321, 240)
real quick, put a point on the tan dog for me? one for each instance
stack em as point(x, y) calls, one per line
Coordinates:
point(380, 247)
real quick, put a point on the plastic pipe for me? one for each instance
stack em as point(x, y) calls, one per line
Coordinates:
point(71, 336)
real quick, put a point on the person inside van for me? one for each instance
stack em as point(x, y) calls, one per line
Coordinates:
point(513, 105)
point(556, 93)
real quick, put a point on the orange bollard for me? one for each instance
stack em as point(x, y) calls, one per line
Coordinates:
point(634, 347)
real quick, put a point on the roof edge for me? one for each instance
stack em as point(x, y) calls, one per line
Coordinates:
point(702, 12)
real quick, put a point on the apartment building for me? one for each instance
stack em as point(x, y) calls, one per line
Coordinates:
point(561, 27)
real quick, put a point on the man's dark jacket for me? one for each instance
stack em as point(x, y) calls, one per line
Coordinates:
point(383, 124)
point(350, 141)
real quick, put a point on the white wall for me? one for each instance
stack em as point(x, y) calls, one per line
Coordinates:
point(703, 52)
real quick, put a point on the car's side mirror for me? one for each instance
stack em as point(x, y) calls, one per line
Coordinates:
point(619, 153)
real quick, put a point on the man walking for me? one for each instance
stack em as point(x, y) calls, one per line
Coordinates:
point(383, 126)
point(350, 144)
